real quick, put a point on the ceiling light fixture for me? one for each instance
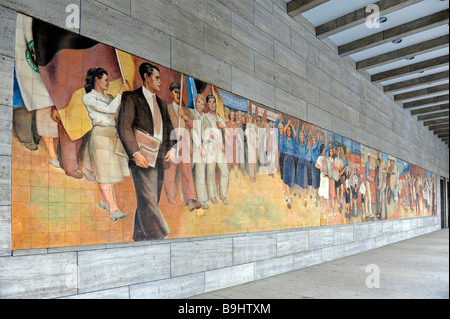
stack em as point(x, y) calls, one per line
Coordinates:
point(410, 58)
point(382, 20)
point(397, 41)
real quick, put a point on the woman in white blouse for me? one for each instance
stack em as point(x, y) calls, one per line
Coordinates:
point(108, 167)
point(324, 188)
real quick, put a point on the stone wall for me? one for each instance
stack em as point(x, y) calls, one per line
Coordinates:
point(182, 268)
point(255, 50)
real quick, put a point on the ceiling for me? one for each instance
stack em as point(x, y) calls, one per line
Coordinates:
point(413, 72)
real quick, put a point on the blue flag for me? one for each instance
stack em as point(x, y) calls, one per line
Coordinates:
point(192, 92)
point(17, 96)
point(234, 102)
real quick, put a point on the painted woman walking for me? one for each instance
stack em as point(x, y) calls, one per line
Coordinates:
point(279, 126)
point(313, 172)
point(288, 145)
point(301, 150)
point(233, 144)
point(332, 183)
point(321, 165)
point(108, 167)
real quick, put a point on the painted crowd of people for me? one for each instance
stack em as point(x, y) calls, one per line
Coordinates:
point(188, 153)
point(201, 150)
point(314, 166)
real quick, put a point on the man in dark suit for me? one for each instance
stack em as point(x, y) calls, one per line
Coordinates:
point(142, 109)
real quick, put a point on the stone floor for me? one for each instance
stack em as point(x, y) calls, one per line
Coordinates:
point(417, 268)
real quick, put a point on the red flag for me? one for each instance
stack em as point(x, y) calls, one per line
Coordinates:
point(66, 72)
point(64, 77)
point(264, 116)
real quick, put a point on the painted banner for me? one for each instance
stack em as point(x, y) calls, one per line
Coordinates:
point(234, 102)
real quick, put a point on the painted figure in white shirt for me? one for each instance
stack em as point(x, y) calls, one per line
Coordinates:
point(199, 153)
point(180, 170)
point(108, 167)
point(213, 143)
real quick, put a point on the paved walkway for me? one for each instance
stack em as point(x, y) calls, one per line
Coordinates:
point(417, 268)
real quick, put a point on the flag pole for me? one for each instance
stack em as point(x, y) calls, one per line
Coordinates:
point(178, 132)
point(216, 96)
point(181, 106)
point(181, 101)
point(212, 92)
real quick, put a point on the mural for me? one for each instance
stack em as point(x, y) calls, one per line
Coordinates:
point(110, 148)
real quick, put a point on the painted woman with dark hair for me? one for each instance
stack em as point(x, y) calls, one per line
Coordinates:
point(279, 126)
point(287, 145)
point(233, 141)
point(332, 182)
point(322, 166)
point(301, 150)
point(108, 167)
point(312, 155)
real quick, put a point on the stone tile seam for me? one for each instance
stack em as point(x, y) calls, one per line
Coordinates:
point(274, 17)
point(112, 8)
point(130, 286)
point(9, 57)
point(170, 35)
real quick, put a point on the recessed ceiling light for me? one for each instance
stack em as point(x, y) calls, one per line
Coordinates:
point(410, 58)
point(382, 20)
point(397, 41)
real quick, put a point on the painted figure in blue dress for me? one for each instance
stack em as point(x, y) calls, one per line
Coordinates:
point(301, 148)
point(313, 172)
point(279, 125)
point(288, 146)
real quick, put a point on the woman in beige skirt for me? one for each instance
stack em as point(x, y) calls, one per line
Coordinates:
point(108, 167)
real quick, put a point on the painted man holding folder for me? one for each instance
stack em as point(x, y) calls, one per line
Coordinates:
point(144, 128)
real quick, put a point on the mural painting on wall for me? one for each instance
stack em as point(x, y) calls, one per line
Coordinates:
point(109, 147)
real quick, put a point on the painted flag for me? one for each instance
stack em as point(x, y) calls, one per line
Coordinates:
point(219, 104)
point(34, 94)
point(127, 66)
point(264, 116)
point(17, 95)
point(233, 102)
point(192, 91)
point(63, 58)
point(74, 116)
